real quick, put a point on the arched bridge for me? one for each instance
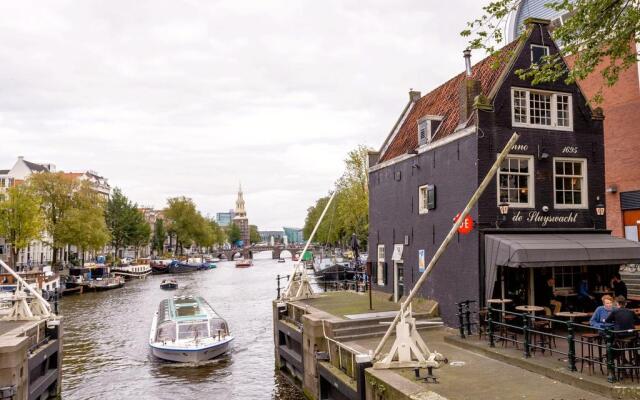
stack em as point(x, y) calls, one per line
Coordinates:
point(247, 252)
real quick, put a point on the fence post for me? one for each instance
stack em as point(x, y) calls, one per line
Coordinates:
point(572, 347)
point(492, 342)
point(278, 279)
point(525, 334)
point(461, 320)
point(611, 375)
point(468, 315)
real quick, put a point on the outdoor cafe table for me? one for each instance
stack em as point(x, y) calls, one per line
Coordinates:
point(572, 314)
point(530, 309)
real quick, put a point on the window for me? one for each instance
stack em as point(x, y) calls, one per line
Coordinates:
point(515, 181)
point(426, 198)
point(537, 52)
point(539, 109)
point(424, 132)
point(570, 182)
point(381, 270)
point(566, 278)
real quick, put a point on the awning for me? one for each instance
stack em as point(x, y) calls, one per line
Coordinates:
point(397, 252)
point(552, 250)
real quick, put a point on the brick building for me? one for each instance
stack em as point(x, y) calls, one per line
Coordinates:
point(541, 217)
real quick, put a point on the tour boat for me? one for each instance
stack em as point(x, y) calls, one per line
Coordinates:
point(244, 263)
point(169, 284)
point(187, 329)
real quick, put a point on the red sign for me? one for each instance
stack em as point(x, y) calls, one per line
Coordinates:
point(466, 226)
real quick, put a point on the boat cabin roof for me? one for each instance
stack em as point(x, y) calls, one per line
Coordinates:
point(184, 308)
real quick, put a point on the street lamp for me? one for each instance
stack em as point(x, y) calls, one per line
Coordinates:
point(600, 209)
point(504, 210)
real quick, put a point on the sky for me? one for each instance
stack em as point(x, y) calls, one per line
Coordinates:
point(173, 98)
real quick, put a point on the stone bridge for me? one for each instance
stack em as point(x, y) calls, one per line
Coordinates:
point(247, 252)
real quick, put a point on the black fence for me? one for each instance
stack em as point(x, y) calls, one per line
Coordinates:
point(615, 354)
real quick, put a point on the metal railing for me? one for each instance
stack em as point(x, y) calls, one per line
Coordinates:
point(615, 353)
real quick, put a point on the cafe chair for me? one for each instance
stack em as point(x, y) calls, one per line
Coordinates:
point(543, 336)
point(627, 359)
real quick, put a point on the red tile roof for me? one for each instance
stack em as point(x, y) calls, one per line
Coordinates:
point(443, 101)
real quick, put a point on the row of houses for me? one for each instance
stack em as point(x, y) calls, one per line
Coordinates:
point(38, 252)
point(564, 204)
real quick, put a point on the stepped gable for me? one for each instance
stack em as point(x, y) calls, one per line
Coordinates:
point(443, 101)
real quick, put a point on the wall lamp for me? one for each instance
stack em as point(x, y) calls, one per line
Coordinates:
point(542, 154)
point(600, 209)
point(504, 210)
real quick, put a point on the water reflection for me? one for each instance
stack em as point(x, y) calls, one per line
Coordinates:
point(106, 334)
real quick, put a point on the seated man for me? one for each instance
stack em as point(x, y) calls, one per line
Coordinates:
point(622, 318)
point(619, 287)
point(549, 298)
point(600, 315)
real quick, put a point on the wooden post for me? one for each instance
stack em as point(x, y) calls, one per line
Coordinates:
point(436, 257)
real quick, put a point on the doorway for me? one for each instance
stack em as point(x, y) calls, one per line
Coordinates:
point(398, 279)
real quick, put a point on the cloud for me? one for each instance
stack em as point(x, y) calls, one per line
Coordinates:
point(170, 98)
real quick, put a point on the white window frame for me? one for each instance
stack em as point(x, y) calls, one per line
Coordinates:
point(380, 271)
point(427, 125)
point(554, 110)
point(422, 199)
point(584, 189)
point(538, 46)
point(531, 182)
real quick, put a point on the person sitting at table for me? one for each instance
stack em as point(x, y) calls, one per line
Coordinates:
point(585, 298)
point(618, 285)
point(549, 298)
point(621, 318)
point(600, 315)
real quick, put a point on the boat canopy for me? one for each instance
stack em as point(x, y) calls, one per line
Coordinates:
point(188, 317)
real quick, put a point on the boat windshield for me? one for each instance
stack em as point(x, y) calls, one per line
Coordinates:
point(166, 331)
point(193, 330)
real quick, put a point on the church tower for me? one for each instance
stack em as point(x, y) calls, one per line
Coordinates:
point(241, 219)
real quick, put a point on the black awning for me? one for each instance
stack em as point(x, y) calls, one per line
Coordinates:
point(552, 250)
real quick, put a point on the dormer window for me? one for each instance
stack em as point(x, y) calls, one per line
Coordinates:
point(537, 52)
point(427, 126)
point(541, 109)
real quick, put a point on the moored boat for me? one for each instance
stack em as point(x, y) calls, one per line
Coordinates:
point(177, 267)
point(187, 329)
point(132, 271)
point(160, 266)
point(169, 284)
point(244, 263)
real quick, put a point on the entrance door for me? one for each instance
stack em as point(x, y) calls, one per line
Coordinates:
point(398, 279)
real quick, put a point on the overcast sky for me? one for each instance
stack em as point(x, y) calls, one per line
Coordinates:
point(191, 97)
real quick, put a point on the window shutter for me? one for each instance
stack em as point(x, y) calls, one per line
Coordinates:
point(431, 197)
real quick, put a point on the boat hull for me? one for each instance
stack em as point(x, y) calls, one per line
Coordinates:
point(181, 268)
point(191, 355)
point(168, 286)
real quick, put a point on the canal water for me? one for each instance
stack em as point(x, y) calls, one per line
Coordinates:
point(105, 339)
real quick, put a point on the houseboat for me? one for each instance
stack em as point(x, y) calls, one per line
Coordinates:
point(93, 278)
point(187, 329)
point(139, 271)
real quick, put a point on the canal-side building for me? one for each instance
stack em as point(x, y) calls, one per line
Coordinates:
point(621, 138)
point(540, 217)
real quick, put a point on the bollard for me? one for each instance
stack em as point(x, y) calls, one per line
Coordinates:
point(611, 374)
point(492, 341)
point(278, 279)
point(572, 347)
point(460, 320)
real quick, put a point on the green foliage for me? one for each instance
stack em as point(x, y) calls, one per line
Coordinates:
point(21, 218)
point(218, 233)
point(54, 190)
point(233, 233)
point(254, 235)
point(126, 223)
point(188, 225)
point(159, 236)
point(349, 212)
point(83, 225)
point(599, 35)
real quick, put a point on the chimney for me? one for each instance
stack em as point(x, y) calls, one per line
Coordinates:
point(469, 89)
point(414, 95)
point(467, 61)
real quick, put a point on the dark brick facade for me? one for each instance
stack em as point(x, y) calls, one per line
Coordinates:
point(456, 167)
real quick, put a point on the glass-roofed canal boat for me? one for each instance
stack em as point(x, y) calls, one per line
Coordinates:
point(187, 329)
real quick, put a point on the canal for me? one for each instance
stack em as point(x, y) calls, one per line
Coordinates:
point(106, 334)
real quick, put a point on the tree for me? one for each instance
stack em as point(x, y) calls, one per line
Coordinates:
point(126, 223)
point(84, 225)
point(254, 235)
point(55, 191)
point(21, 219)
point(219, 235)
point(233, 233)
point(186, 223)
point(159, 236)
point(597, 31)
